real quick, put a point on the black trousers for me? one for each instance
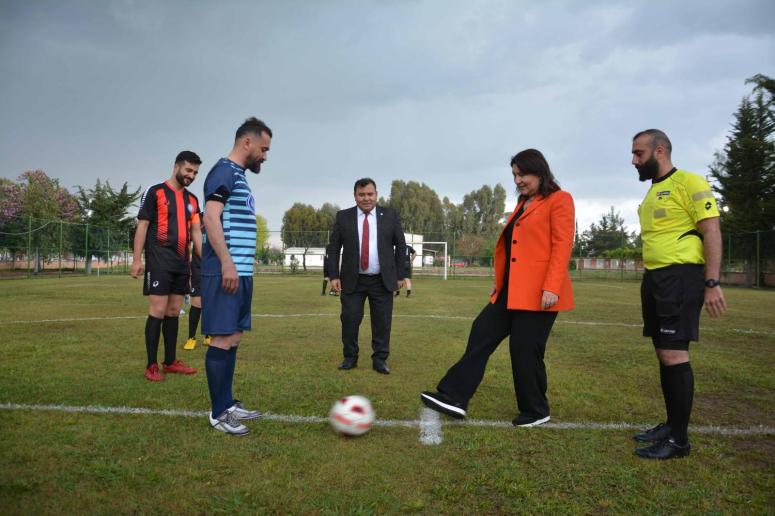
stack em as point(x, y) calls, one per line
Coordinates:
point(528, 333)
point(380, 310)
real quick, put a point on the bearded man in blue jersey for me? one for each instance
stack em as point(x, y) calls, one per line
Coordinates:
point(228, 253)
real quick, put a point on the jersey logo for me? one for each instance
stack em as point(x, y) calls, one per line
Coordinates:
point(190, 208)
point(663, 193)
point(708, 205)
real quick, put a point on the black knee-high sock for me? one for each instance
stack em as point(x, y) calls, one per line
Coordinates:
point(152, 333)
point(679, 380)
point(193, 321)
point(665, 395)
point(323, 292)
point(170, 332)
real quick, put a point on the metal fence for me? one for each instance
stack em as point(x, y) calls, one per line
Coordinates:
point(30, 246)
point(34, 247)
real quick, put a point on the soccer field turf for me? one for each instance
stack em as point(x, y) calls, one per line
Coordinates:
point(72, 441)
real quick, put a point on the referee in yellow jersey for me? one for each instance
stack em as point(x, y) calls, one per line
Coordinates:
point(679, 222)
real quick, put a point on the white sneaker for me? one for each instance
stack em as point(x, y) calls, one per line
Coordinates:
point(239, 411)
point(528, 422)
point(227, 423)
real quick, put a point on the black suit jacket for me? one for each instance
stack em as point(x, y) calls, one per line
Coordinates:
point(391, 248)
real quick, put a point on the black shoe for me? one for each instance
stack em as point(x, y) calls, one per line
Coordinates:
point(408, 293)
point(667, 449)
point(441, 403)
point(528, 421)
point(653, 435)
point(348, 363)
point(380, 366)
point(398, 293)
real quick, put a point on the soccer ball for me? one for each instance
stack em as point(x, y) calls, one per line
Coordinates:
point(352, 415)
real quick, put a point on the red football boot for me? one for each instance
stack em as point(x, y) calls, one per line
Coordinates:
point(152, 374)
point(178, 367)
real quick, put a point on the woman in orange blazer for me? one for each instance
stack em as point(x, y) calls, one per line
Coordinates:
point(531, 285)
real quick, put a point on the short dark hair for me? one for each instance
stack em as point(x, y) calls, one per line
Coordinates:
point(364, 182)
point(532, 162)
point(254, 126)
point(657, 138)
point(189, 156)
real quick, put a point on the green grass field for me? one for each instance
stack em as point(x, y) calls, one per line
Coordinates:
point(78, 342)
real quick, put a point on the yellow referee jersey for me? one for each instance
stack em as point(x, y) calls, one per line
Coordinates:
point(668, 219)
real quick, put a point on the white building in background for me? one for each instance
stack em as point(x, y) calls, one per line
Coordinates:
point(316, 255)
point(314, 258)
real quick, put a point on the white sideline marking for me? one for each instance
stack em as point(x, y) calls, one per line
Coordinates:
point(748, 331)
point(430, 427)
point(411, 423)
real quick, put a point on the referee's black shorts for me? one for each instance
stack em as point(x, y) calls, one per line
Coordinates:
point(671, 301)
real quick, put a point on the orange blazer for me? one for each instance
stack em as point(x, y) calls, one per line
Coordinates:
point(541, 246)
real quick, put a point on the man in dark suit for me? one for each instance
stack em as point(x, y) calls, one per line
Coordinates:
point(372, 267)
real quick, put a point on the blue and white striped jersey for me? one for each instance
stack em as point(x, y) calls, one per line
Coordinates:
point(226, 183)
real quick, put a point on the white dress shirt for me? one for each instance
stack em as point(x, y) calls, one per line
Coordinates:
point(373, 253)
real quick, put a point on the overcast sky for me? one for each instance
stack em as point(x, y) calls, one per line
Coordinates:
point(442, 92)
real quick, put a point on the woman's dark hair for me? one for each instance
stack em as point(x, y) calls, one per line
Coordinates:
point(532, 162)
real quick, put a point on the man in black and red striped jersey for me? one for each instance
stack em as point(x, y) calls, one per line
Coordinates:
point(167, 223)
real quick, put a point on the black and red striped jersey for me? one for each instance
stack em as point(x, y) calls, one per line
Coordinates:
point(170, 214)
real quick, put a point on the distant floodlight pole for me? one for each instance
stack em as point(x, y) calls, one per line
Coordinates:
point(29, 243)
point(758, 257)
point(60, 247)
point(87, 262)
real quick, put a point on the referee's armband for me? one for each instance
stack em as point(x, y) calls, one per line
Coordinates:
point(221, 195)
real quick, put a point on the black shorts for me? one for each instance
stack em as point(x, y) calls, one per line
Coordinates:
point(196, 279)
point(671, 301)
point(164, 283)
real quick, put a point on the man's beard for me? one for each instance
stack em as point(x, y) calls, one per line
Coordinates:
point(182, 180)
point(254, 166)
point(648, 170)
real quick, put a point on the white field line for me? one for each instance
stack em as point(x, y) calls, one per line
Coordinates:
point(749, 331)
point(589, 425)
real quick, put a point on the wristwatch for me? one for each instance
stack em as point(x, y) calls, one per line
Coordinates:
point(710, 283)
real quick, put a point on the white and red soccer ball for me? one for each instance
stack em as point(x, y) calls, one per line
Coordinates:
point(352, 415)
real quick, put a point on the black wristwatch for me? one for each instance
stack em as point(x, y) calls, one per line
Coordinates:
point(710, 283)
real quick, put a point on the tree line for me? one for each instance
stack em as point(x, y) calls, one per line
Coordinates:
point(743, 175)
point(40, 216)
point(472, 225)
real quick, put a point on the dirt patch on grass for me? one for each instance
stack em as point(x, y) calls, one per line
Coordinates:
point(725, 409)
point(759, 453)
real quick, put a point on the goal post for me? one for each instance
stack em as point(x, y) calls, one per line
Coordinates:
point(422, 250)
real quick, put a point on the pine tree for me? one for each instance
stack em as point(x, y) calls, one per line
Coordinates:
point(745, 172)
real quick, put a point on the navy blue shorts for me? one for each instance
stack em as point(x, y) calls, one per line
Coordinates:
point(222, 313)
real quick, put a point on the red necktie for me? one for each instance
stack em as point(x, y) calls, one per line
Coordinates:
point(365, 243)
